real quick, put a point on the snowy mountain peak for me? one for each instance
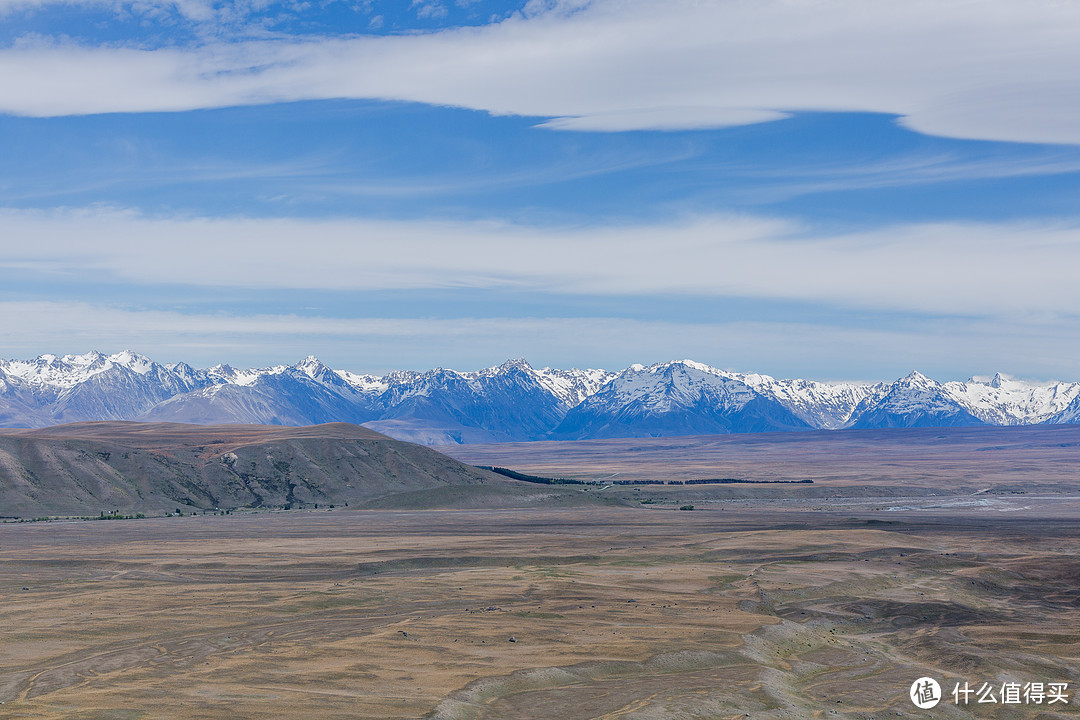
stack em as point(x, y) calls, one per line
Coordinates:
point(133, 361)
point(698, 366)
point(229, 375)
point(92, 359)
point(368, 384)
point(512, 401)
point(312, 367)
point(573, 386)
point(516, 363)
point(1005, 400)
point(223, 370)
point(182, 368)
point(57, 372)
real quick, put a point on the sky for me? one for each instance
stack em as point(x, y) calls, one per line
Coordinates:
point(827, 189)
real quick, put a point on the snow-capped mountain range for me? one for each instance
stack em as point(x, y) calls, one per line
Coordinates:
point(513, 401)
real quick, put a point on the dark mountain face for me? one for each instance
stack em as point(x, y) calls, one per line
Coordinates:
point(19, 405)
point(119, 393)
point(503, 405)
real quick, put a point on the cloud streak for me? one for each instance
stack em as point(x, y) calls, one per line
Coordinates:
point(945, 348)
point(990, 69)
point(1020, 269)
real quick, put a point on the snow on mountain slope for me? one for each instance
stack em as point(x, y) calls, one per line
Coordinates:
point(1068, 415)
point(512, 401)
point(573, 386)
point(94, 386)
point(64, 372)
point(367, 384)
point(1002, 400)
point(228, 375)
point(307, 393)
point(666, 386)
point(821, 405)
point(913, 401)
point(274, 398)
point(676, 398)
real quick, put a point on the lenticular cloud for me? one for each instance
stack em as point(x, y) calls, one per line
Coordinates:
point(991, 69)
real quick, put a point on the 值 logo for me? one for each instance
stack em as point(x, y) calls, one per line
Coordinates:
point(925, 693)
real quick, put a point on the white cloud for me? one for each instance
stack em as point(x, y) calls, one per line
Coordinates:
point(945, 349)
point(996, 69)
point(1013, 270)
point(195, 10)
point(683, 118)
point(428, 9)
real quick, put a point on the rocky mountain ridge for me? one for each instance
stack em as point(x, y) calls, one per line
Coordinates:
point(511, 402)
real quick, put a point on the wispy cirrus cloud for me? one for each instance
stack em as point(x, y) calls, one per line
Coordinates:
point(945, 347)
point(1023, 269)
point(991, 69)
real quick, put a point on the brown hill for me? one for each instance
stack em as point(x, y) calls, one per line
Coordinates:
point(127, 467)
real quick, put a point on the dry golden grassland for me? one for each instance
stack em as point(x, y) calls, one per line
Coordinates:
point(561, 613)
point(950, 461)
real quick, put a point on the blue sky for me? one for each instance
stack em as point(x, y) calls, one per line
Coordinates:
point(819, 188)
